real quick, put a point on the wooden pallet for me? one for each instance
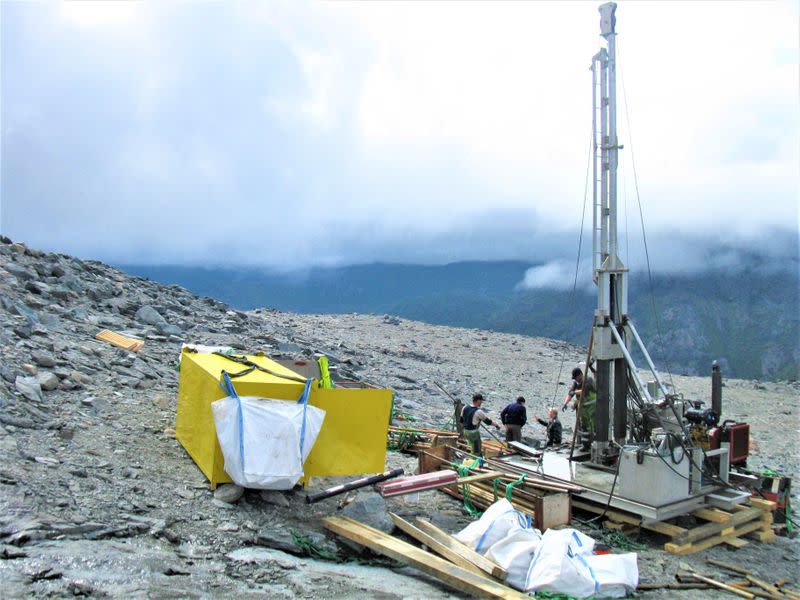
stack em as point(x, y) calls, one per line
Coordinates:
point(119, 340)
point(721, 527)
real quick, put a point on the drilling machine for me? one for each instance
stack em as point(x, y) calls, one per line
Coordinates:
point(661, 447)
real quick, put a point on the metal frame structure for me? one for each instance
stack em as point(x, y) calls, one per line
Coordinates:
point(613, 329)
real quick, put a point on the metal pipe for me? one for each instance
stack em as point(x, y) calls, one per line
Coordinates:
point(353, 485)
point(629, 359)
point(595, 255)
point(647, 358)
point(612, 144)
point(716, 389)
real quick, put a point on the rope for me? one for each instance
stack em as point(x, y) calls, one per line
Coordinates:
point(577, 261)
point(243, 360)
point(641, 220)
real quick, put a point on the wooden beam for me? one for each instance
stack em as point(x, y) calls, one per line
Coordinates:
point(730, 567)
point(456, 577)
point(693, 547)
point(479, 477)
point(723, 586)
point(709, 529)
point(664, 528)
point(462, 550)
point(434, 545)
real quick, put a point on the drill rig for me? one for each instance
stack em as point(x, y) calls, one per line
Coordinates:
point(666, 454)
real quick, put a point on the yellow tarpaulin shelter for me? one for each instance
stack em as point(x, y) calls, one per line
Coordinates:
point(353, 436)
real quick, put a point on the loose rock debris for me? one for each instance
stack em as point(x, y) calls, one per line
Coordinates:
point(97, 497)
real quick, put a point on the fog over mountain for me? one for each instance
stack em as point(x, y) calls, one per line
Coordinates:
point(301, 134)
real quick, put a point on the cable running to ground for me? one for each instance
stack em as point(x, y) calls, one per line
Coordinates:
point(577, 260)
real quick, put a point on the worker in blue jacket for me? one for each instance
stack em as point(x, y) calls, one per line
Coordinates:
point(514, 417)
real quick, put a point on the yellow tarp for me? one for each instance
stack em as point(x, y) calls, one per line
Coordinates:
point(353, 436)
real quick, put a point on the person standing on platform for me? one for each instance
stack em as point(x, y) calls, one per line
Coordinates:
point(514, 417)
point(553, 427)
point(472, 417)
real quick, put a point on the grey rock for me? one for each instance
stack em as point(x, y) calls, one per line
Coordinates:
point(150, 316)
point(47, 381)
point(29, 387)
point(42, 359)
point(48, 319)
point(228, 492)
point(100, 292)
point(8, 373)
point(19, 271)
point(73, 283)
point(57, 271)
point(37, 287)
point(275, 498)
point(23, 331)
point(170, 330)
point(61, 292)
point(370, 508)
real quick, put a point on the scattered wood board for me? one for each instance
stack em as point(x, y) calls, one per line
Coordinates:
point(119, 340)
point(462, 550)
point(724, 527)
point(454, 576)
point(435, 545)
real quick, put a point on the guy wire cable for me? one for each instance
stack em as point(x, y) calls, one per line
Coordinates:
point(577, 261)
point(641, 213)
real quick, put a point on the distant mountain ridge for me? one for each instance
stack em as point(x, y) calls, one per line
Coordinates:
point(748, 319)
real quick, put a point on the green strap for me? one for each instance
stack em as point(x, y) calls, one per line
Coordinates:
point(324, 374)
point(510, 487)
point(463, 471)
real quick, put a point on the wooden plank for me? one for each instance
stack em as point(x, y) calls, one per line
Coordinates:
point(767, 587)
point(723, 586)
point(730, 567)
point(525, 449)
point(479, 477)
point(709, 529)
point(736, 543)
point(663, 528)
point(697, 546)
point(454, 576)
point(462, 550)
point(714, 515)
point(119, 340)
point(762, 504)
point(434, 545)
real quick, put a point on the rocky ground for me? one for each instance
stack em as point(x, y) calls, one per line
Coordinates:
point(98, 498)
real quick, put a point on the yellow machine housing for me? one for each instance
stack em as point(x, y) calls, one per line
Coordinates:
point(353, 436)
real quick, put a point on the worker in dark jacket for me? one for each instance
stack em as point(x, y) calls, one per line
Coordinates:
point(553, 428)
point(514, 417)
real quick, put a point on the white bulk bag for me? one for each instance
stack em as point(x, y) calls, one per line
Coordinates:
point(264, 441)
point(565, 564)
point(514, 553)
point(617, 575)
point(494, 525)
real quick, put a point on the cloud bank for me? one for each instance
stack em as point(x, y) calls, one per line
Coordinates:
point(301, 134)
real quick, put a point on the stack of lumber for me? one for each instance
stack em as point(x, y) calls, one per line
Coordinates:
point(718, 526)
point(548, 503)
point(457, 565)
point(417, 439)
point(490, 448)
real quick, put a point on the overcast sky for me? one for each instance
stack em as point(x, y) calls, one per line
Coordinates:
point(331, 133)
